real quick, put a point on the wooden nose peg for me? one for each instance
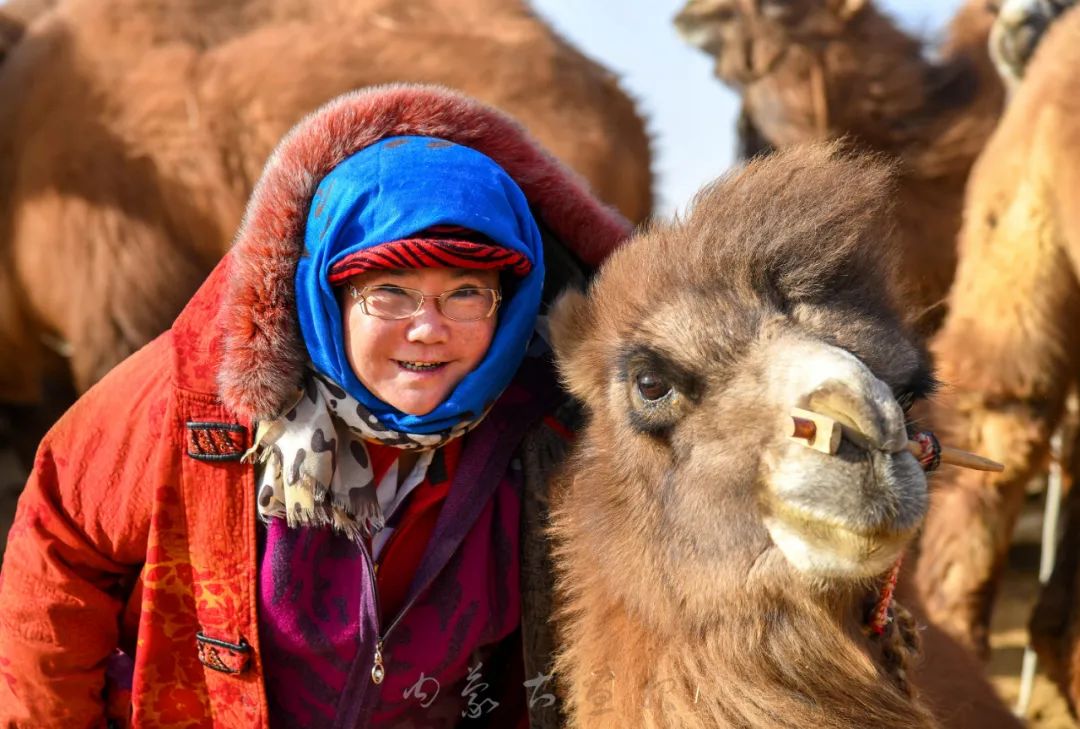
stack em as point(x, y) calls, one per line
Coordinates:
point(820, 432)
point(824, 434)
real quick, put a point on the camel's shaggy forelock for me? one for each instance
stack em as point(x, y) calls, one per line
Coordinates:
point(832, 243)
point(264, 353)
point(668, 579)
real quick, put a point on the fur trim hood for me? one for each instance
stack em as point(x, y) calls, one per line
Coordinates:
point(263, 353)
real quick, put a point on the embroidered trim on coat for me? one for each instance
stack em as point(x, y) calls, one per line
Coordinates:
point(221, 655)
point(216, 441)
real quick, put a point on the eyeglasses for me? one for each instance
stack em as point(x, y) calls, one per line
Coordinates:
point(397, 302)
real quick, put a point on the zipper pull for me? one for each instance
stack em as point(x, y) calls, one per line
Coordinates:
point(378, 673)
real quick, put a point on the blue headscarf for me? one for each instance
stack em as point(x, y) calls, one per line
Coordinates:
point(390, 191)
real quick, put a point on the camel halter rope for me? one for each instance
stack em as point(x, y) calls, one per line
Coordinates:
point(824, 434)
point(819, 90)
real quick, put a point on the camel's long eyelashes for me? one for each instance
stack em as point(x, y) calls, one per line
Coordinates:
point(919, 387)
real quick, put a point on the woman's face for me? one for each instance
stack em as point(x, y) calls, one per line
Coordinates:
point(414, 364)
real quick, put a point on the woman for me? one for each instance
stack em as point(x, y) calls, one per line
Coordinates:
point(300, 506)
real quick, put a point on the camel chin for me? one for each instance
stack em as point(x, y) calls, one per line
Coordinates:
point(846, 556)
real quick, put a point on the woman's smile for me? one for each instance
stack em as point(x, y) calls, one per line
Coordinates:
point(420, 367)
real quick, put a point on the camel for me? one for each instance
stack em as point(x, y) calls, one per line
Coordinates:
point(127, 163)
point(711, 571)
point(810, 70)
point(1009, 349)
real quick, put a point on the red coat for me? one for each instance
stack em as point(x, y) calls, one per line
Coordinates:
point(137, 527)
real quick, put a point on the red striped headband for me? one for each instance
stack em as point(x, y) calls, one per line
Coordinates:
point(440, 247)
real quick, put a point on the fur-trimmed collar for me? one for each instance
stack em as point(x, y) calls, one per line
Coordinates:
point(263, 350)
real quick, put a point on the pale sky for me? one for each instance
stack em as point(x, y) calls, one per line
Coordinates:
point(691, 115)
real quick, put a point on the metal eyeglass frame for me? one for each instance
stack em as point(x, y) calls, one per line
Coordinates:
point(358, 294)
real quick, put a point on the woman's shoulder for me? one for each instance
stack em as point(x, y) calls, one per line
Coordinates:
point(133, 395)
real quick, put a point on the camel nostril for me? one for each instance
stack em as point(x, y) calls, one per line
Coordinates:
point(833, 382)
point(865, 422)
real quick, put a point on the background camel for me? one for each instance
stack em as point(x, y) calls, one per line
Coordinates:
point(1018, 27)
point(1010, 350)
point(713, 573)
point(128, 160)
point(821, 69)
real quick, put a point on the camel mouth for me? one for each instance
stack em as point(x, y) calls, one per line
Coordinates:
point(700, 36)
point(825, 548)
point(845, 516)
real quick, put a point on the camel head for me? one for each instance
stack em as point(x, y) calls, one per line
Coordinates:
point(771, 52)
point(749, 37)
point(814, 70)
point(1018, 27)
point(689, 351)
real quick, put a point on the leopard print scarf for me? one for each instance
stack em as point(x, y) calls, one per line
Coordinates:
point(312, 467)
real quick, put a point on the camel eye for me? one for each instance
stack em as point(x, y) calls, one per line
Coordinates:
point(652, 387)
point(659, 392)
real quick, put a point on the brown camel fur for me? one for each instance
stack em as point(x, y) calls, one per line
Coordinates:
point(822, 69)
point(142, 125)
point(712, 572)
point(1009, 349)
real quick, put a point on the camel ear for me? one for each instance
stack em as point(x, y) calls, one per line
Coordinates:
point(569, 326)
point(566, 320)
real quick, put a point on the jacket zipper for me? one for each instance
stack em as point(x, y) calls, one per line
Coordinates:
point(378, 667)
point(378, 670)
